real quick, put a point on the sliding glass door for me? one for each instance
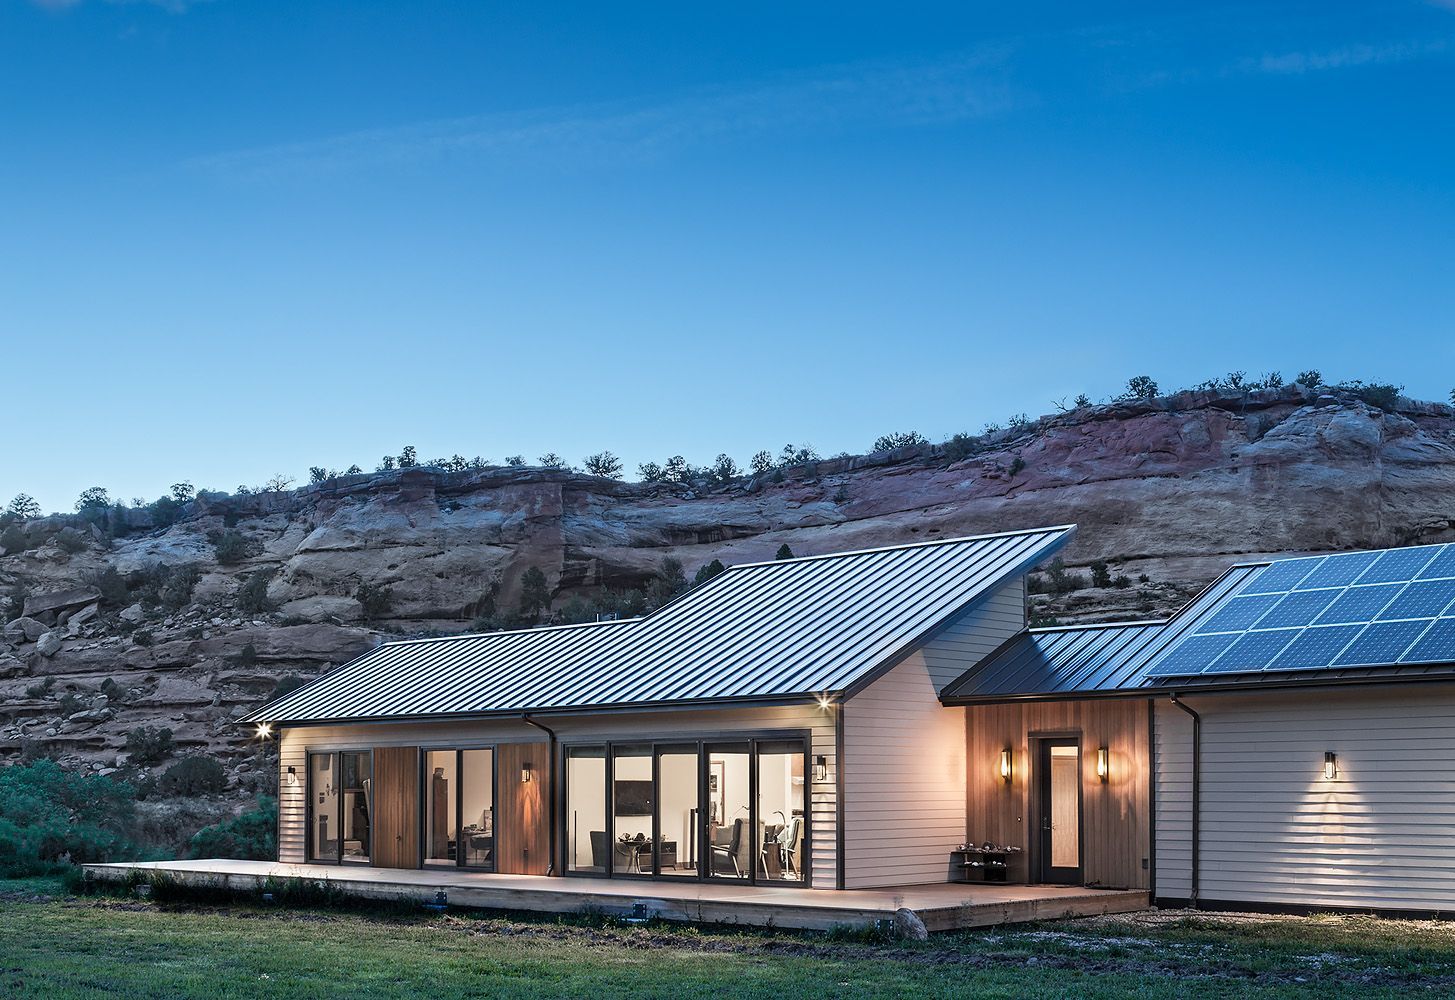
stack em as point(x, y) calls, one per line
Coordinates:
point(459, 808)
point(735, 811)
point(340, 806)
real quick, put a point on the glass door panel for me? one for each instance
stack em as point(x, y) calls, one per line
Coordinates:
point(322, 808)
point(632, 809)
point(677, 798)
point(780, 817)
point(1060, 809)
point(729, 832)
point(588, 840)
point(441, 786)
point(356, 789)
point(477, 808)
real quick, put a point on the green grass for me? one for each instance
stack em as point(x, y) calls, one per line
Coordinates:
point(57, 946)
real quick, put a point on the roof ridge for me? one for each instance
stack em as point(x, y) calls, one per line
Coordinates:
point(906, 545)
point(508, 631)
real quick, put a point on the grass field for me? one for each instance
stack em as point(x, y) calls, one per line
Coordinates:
point(56, 946)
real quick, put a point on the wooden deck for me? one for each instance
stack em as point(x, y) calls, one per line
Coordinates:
point(941, 907)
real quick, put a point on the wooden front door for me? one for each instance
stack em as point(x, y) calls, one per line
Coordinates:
point(1059, 809)
point(396, 807)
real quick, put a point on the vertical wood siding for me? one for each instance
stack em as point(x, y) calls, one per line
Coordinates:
point(396, 807)
point(1115, 814)
point(522, 828)
point(1381, 835)
point(904, 767)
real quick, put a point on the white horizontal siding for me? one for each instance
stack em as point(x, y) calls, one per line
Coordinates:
point(904, 753)
point(1274, 830)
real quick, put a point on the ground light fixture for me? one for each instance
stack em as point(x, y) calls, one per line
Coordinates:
point(1005, 765)
point(820, 768)
point(1331, 765)
point(1103, 764)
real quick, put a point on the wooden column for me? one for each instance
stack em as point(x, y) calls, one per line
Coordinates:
point(396, 807)
point(523, 809)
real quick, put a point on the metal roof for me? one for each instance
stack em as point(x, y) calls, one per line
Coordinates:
point(1086, 659)
point(795, 628)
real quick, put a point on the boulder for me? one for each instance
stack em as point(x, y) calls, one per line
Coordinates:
point(324, 608)
point(49, 644)
point(81, 617)
point(908, 925)
point(24, 630)
point(133, 614)
point(57, 601)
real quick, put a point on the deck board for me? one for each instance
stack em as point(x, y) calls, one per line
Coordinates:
point(941, 906)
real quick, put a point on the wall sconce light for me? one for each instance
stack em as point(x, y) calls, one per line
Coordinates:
point(1103, 764)
point(1005, 765)
point(264, 730)
point(1331, 765)
point(292, 775)
point(820, 768)
point(525, 772)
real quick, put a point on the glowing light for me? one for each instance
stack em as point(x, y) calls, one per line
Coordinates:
point(825, 702)
point(1331, 765)
point(525, 772)
point(1005, 765)
point(265, 730)
point(292, 775)
point(820, 768)
point(1103, 764)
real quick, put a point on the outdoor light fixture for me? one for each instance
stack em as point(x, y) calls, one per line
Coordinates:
point(1005, 765)
point(1331, 765)
point(1103, 765)
point(292, 775)
point(525, 772)
point(265, 730)
point(825, 702)
point(820, 768)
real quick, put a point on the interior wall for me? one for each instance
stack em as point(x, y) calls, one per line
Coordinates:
point(1116, 818)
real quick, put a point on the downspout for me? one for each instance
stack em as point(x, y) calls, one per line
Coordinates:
point(1196, 794)
point(554, 787)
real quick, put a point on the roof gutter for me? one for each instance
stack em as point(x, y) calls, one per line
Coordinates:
point(553, 788)
point(1196, 795)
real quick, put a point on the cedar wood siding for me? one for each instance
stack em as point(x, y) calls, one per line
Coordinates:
point(816, 723)
point(904, 769)
point(1274, 831)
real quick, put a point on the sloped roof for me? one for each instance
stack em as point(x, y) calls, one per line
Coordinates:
point(794, 628)
point(1086, 659)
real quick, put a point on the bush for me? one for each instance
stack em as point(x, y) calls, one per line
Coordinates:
point(114, 592)
point(49, 815)
point(192, 776)
point(252, 596)
point(1382, 395)
point(147, 745)
point(898, 439)
point(40, 689)
point(176, 590)
point(1140, 387)
point(1017, 466)
point(143, 637)
point(376, 599)
point(69, 705)
point(760, 463)
point(70, 540)
point(1121, 581)
point(231, 546)
point(959, 447)
point(1311, 379)
point(12, 539)
point(251, 836)
point(784, 552)
point(604, 463)
point(535, 594)
point(1100, 574)
point(709, 571)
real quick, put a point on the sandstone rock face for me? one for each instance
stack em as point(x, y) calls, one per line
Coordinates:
point(1174, 489)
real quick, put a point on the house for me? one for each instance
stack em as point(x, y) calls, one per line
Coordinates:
point(886, 718)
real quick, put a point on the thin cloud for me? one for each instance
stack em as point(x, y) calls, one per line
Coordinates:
point(1295, 63)
point(874, 95)
point(174, 6)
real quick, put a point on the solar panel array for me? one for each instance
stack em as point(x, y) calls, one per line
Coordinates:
point(1356, 609)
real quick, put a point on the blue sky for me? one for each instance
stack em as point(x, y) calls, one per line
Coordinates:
point(243, 237)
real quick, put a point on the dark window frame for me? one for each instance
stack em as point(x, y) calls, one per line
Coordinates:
point(336, 777)
point(431, 864)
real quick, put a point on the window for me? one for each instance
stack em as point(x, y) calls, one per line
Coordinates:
point(729, 814)
point(780, 811)
point(677, 785)
point(459, 808)
point(340, 806)
point(587, 840)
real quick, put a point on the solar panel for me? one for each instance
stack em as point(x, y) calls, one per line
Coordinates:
point(1339, 571)
point(1381, 643)
point(1192, 655)
point(1298, 608)
point(1253, 651)
point(1424, 599)
point(1442, 565)
point(1359, 604)
point(1315, 647)
point(1239, 613)
point(1435, 646)
point(1399, 564)
point(1282, 576)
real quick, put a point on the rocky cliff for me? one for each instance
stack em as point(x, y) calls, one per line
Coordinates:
point(100, 640)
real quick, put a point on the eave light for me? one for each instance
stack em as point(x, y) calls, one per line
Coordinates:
point(1331, 765)
point(264, 730)
point(1103, 764)
point(1005, 765)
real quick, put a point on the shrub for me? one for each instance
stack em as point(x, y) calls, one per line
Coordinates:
point(550, 460)
point(1143, 578)
point(375, 598)
point(251, 836)
point(1273, 380)
point(801, 455)
point(95, 498)
point(69, 704)
point(760, 463)
point(841, 495)
point(252, 596)
point(784, 552)
point(708, 571)
point(1018, 422)
point(12, 539)
point(192, 776)
point(147, 745)
point(112, 585)
point(1100, 574)
point(143, 637)
point(176, 589)
point(649, 472)
point(1140, 387)
point(959, 447)
point(49, 815)
point(24, 507)
point(535, 594)
point(41, 689)
point(898, 439)
point(603, 463)
point(1059, 579)
point(677, 470)
point(1311, 379)
point(1382, 395)
point(1017, 466)
point(668, 583)
point(231, 546)
point(1082, 399)
point(1121, 581)
point(165, 511)
point(70, 540)
point(724, 469)
point(515, 461)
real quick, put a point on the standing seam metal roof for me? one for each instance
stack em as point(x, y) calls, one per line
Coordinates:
point(797, 627)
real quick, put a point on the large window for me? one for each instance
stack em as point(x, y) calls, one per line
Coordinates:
point(340, 806)
point(733, 811)
point(459, 808)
